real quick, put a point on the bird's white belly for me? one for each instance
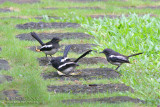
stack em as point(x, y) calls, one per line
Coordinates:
point(115, 63)
point(68, 70)
point(51, 52)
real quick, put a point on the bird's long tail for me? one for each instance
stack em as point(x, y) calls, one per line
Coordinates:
point(135, 54)
point(34, 35)
point(83, 55)
point(66, 50)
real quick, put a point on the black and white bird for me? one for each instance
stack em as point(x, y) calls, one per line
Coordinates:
point(116, 58)
point(64, 65)
point(48, 48)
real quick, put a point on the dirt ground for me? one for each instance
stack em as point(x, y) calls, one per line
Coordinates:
point(4, 78)
point(10, 95)
point(92, 88)
point(20, 1)
point(43, 25)
point(43, 61)
point(49, 36)
point(86, 74)
point(116, 99)
point(4, 65)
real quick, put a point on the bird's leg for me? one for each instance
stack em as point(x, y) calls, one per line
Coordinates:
point(60, 73)
point(37, 49)
point(117, 67)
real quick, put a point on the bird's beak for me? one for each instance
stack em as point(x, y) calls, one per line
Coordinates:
point(101, 52)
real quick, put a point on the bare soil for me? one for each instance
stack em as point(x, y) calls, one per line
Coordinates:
point(116, 99)
point(43, 25)
point(143, 7)
point(10, 95)
point(4, 78)
point(92, 8)
point(86, 74)
point(43, 61)
point(49, 36)
point(5, 10)
point(92, 88)
point(4, 65)
point(20, 1)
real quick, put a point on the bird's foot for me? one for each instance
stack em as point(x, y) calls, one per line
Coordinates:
point(37, 49)
point(60, 73)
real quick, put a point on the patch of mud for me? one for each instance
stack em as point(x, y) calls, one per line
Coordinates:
point(5, 10)
point(4, 65)
point(4, 78)
point(143, 7)
point(86, 74)
point(89, 8)
point(49, 36)
point(116, 99)
point(10, 95)
point(43, 61)
point(20, 1)
point(92, 88)
point(42, 25)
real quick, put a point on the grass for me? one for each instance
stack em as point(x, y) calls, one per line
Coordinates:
point(127, 35)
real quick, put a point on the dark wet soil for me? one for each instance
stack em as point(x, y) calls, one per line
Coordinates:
point(92, 8)
point(143, 7)
point(4, 65)
point(4, 78)
point(49, 36)
point(43, 61)
point(86, 74)
point(92, 88)
point(43, 25)
point(116, 99)
point(10, 95)
point(20, 1)
point(5, 10)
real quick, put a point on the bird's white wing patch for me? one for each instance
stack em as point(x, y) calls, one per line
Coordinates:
point(118, 57)
point(65, 64)
point(46, 46)
point(62, 60)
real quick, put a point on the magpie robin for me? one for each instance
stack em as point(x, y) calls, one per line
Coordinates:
point(64, 64)
point(48, 48)
point(116, 58)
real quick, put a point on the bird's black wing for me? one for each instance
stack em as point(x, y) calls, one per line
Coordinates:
point(116, 58)
point(66, 65)
point(47, 47)
point(34, 35)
